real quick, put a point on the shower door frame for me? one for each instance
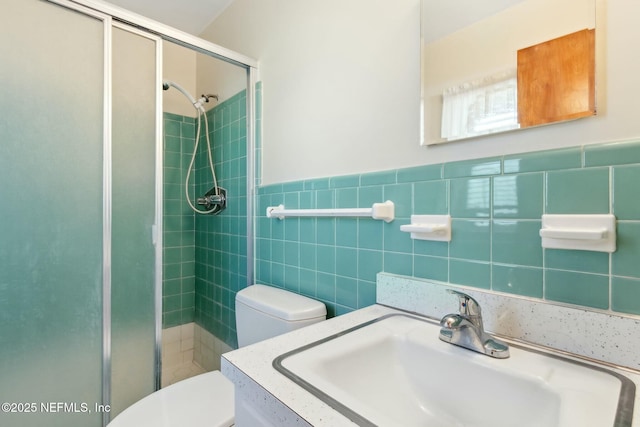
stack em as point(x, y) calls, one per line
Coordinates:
point(113, 16)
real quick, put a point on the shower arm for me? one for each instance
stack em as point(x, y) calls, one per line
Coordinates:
point(206, 97)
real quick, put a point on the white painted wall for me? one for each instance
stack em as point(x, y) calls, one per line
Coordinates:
point(341, 86)
point(340, 81)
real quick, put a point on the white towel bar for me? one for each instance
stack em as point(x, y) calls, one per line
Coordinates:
point(384, 211)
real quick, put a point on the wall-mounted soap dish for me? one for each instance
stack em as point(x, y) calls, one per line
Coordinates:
point(429, 227)
point(581, 232)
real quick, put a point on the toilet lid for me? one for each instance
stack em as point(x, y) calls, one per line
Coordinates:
point(205, 400)
point(280, 303)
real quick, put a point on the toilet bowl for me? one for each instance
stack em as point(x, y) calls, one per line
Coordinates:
point(207, 400)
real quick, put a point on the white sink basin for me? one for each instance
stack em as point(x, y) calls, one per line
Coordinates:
point(396, 372)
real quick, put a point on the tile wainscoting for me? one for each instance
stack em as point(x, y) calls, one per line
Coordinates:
point(496, 206)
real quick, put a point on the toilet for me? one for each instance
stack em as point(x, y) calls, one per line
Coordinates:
point(207, 400)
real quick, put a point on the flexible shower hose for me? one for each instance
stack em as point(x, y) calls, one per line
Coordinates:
point(201, 112)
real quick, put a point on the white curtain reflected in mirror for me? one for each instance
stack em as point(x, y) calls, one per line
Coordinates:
point(480, 107)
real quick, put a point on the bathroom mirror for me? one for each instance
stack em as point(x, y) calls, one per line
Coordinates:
point(503, 65)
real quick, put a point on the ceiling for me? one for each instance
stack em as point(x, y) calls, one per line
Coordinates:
point(191, 16)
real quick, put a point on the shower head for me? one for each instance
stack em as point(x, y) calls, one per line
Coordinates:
point(167, 83)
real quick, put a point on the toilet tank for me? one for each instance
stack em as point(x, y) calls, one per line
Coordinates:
point(264, 311)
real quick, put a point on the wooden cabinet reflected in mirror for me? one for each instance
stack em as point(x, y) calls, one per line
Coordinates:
point(556, 80)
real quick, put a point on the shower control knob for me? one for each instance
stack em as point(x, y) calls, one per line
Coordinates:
point(213, 202)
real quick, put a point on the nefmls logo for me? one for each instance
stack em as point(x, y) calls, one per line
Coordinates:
point(66, 407)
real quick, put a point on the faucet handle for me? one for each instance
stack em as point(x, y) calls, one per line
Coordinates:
point(468, 305)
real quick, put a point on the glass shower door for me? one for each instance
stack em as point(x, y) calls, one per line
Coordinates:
point(133, 282)
point(51, 215)
point(79, 207)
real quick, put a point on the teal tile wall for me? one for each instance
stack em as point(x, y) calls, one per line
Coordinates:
point(178, 283)
point(221, 240)
point(496, 206)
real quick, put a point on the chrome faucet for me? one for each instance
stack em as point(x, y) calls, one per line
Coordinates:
point(465, 329)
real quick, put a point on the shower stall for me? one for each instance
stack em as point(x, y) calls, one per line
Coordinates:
point(83, 238)
point(205, 208)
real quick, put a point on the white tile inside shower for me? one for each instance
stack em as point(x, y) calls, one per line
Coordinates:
point(178, 354)
point(208, 349)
